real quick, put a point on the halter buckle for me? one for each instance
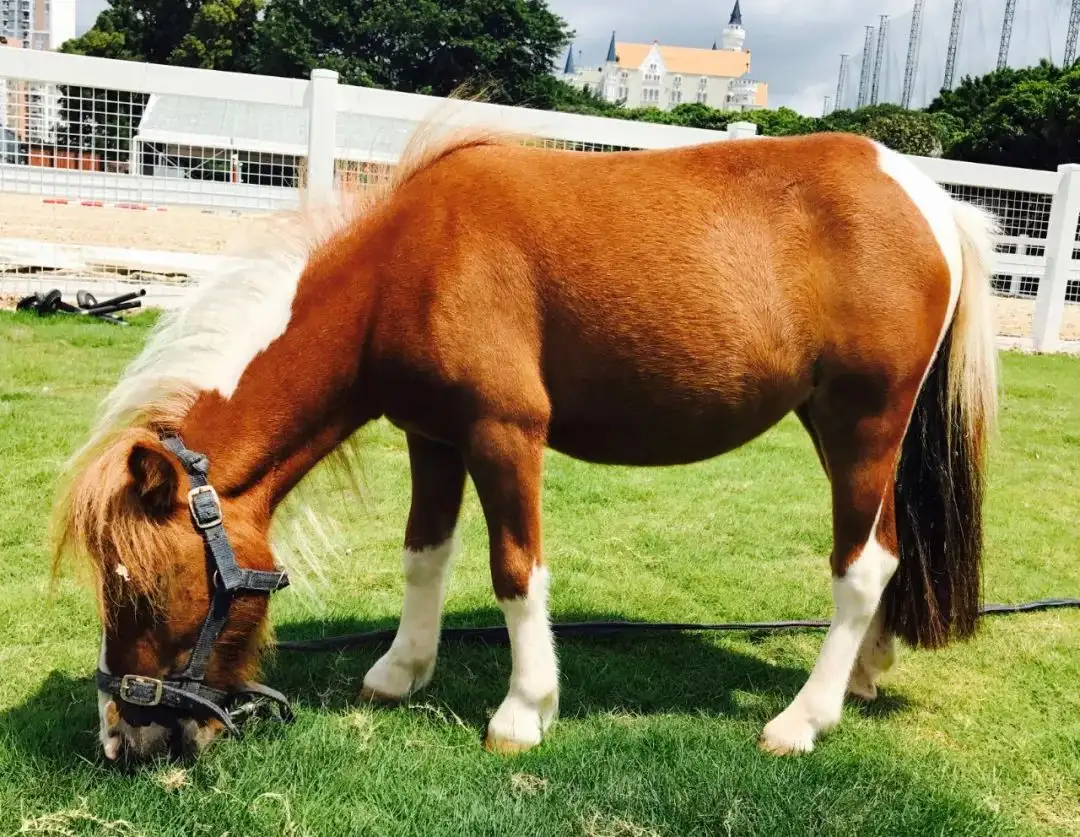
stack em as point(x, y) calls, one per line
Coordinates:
point(141, 691)
point(199, 507)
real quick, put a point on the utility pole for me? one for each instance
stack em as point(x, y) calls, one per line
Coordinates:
point(954, 43)
point(867, 65)
point(914, 40)
point(879, 58)
point(1006, 33)
point(841, 81)
point(1070, 38)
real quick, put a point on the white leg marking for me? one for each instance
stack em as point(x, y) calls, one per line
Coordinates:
point(410, 662)
point(876, 656)
point(818, 705)
point(532, 703)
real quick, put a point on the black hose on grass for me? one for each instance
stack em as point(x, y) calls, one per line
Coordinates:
point(496, 635)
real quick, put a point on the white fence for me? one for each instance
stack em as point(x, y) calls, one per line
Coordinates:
point(118, 172)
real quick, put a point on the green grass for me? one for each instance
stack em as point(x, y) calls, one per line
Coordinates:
point(657, 734)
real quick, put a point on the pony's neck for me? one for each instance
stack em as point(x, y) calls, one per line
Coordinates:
point(298, 399)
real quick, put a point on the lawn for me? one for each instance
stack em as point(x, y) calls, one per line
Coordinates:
point(657, 734)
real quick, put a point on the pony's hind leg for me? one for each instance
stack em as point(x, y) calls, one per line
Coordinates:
point(438, 484)
point(877, 652)
point(876, 656)
point(860, 446)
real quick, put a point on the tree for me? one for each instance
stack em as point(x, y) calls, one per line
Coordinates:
point(213, 34)
point(1034, 125)
point(970, 99)
point(502, 48)
point(221, 36)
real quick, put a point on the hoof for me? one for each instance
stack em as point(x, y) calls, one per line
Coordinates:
point(369, 695)
point(862, 690)
point(787, 735)
point(507, 747)
point(519, 725)
point(392, 681)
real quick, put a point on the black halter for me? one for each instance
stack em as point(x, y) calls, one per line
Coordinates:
point(184, 691)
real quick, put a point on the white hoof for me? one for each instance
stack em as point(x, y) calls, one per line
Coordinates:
point(393, 679)
point(519, 725)
point(789, 732)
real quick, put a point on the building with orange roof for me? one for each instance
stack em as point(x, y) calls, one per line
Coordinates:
point(660, 76)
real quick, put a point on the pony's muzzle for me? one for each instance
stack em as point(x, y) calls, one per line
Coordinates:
point(132, 734)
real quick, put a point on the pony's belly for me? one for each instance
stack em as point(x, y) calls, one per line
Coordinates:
point(663, 434)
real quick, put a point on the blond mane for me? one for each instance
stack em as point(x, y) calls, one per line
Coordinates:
point(183, 356)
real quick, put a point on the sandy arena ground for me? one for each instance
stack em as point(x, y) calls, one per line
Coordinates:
point(193, 230)
point(185, 229)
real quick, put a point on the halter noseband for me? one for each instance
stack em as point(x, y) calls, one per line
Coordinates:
point(185, 691)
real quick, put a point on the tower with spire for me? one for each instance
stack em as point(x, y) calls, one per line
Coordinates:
point(734, 36)
point(660, 76)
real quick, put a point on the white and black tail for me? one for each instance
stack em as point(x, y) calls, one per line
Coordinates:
point(935, 595)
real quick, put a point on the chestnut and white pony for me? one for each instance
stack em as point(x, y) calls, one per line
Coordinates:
point(641, 308)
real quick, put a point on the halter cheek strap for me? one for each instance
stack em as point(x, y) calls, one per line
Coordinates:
point(185, 690)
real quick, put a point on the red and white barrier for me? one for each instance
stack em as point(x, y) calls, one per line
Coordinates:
point(105, 204)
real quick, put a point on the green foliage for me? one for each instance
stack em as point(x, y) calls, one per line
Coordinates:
point(974, 95)
point(212, 34)
point(502, 48)
point(1033, 124)
point(221, 36)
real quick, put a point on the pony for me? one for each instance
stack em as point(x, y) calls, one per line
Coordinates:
point(497, 299)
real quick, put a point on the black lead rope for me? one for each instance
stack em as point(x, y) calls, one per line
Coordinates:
point(184, 691)
point(497, 635)
point(186, 694)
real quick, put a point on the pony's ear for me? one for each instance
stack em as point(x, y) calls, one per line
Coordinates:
point(154, 478)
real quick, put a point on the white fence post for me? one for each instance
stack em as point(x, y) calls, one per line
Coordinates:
point(739, 130)
point(1060, 243)
point(322, 123)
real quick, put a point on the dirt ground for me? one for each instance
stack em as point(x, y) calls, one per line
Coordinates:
point(194, 230)
point(184, 229)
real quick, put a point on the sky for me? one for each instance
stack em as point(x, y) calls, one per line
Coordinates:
point(795, 45)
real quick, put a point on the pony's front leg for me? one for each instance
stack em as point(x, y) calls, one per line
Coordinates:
point(506, 462)
point(438, 483)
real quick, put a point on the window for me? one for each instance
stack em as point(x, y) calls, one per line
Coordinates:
point(676, 82)
point(676, 96)
point(702, 97)
point(652, 74)
point(622, 91)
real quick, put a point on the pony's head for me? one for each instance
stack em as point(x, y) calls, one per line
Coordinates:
point(129, 512)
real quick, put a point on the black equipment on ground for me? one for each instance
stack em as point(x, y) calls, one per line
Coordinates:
point(50, 302)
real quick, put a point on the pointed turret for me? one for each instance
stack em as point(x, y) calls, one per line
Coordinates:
point(569, 69)
point(734, 35)
point(611, 56)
